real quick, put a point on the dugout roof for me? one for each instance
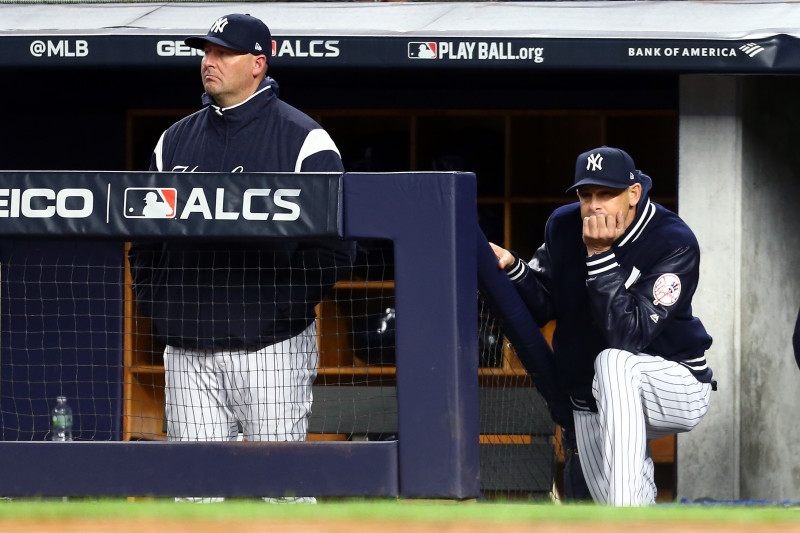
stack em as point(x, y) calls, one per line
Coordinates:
point(666, 36)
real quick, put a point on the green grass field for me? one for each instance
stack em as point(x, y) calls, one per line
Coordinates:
point(397, 511)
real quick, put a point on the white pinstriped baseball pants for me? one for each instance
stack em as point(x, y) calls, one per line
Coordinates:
point(268, 391)
point(639, 397)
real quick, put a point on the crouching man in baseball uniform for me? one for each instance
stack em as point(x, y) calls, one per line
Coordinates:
point(617, 273)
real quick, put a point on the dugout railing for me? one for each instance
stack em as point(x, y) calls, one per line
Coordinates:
point(430, 217)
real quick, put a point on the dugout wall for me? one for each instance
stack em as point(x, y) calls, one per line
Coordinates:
point(431, 220)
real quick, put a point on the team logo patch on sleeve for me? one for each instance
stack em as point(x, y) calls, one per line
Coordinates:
point(666, 289)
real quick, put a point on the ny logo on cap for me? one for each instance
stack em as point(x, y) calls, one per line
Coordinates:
point(594, 162)
point(219, 25)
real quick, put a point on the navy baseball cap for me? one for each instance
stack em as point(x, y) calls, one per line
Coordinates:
point(605, 166)
point(243, 33)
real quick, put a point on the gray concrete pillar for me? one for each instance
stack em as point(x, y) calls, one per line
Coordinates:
point(770, 287)
point(739, 188)
point(709, 200)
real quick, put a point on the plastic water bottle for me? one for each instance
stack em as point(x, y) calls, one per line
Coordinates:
point(62, 420)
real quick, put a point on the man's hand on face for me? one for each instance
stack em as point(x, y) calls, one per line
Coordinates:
point(601, 230)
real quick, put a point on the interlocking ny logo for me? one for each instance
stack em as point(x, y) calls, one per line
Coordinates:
point(594, 162)
point(219, 25)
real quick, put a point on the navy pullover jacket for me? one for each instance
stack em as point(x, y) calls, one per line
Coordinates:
point(226, 296)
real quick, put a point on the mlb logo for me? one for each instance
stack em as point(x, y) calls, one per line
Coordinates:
point(422, 50)
point(274, 49)
point(146, 202)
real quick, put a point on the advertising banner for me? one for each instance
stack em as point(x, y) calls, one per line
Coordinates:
point(776, 54)
point(147, 205)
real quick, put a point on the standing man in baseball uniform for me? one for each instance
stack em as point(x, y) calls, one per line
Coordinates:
point(617, 273)
point(238, 319)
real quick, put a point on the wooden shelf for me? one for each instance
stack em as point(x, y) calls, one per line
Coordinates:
point(365, 285)
point(501, 372)
point(358, 371)
point(144, 406)
point(146, 436)
point(146, 369)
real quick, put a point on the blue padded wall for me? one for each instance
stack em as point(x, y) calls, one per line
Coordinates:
point(61, 334)
point(431, 218)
